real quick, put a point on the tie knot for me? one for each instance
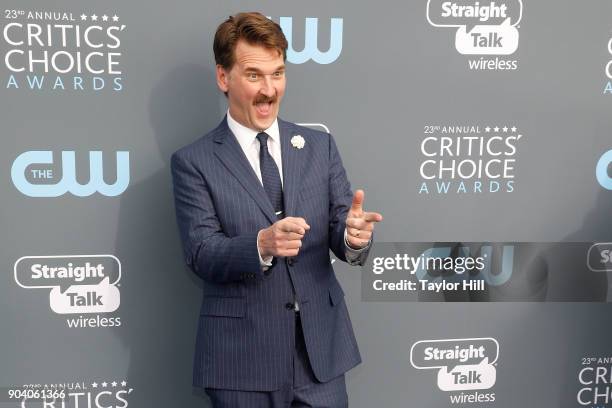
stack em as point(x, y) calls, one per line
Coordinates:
point(263, 139)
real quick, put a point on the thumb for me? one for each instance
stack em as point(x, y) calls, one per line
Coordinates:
point(357, 204)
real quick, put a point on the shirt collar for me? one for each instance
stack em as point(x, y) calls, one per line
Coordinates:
point(247, 136)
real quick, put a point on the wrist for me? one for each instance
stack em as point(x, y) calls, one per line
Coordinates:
point(261, 248)
point(352, 247)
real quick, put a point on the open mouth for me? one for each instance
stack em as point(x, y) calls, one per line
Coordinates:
point(263, 108)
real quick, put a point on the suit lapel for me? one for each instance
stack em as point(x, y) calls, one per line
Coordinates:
point(293, 162)
point(230, 153)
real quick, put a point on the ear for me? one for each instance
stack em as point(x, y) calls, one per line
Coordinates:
point(222, 78)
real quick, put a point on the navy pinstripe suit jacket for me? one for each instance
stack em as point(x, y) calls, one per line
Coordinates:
point(245, 338)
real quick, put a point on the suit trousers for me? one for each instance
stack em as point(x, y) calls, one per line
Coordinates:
point(301, 391)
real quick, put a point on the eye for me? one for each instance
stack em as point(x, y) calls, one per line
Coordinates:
point(278, 74)
point(252, 76)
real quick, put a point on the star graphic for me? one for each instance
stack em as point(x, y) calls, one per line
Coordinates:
point(505, 129)
point(513, 128)
point(115, 18)
point(83, 17)
point(496, 129)
point(105, 18)
point(94, 17)
point(123, 383)
point(114, 383)
point(104, 384)
point(94, 385)
point(487, 129)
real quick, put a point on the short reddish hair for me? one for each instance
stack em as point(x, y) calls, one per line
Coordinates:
point(254, 28)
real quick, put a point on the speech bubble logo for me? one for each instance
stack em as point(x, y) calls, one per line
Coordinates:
point(64, 271)
point(315, 126)
point(101, 298)
point(428, 354)
point(480, 376)
point(487, 40)
point(599, 257)
point(464, 13)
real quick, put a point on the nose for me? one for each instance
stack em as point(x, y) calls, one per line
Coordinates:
point(267, 87)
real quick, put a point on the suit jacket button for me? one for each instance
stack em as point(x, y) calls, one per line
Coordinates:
point(289, 306)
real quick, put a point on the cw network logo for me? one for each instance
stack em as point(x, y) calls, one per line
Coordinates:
point(33, 174)
point(311, 49)
point(601, 170)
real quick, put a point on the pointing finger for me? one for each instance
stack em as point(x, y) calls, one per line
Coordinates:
point(372, 217)
point(357, 204)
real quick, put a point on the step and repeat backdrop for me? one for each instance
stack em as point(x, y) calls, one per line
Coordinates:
point(481, 130)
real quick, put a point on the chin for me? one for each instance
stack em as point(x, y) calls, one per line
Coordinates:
point(264, 124)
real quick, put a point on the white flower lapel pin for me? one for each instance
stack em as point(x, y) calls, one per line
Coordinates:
point(298, 141)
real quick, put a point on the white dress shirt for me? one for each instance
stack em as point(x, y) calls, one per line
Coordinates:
point(247, 139)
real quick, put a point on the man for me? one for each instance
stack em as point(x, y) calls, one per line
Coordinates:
point(259, 203)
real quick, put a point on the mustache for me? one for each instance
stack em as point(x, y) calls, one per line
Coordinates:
point(265, 99)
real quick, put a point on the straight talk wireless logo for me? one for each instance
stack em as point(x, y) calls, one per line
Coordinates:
point(79, 285)
point(464, 367)
point(484, 29)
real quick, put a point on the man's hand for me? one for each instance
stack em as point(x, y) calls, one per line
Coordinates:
point(359, 223)
point(283, 238)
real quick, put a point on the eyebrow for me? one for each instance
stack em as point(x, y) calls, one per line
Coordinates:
point(259, 71)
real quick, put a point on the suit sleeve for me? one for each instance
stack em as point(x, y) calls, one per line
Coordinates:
point(208, 252)
point(340, 199)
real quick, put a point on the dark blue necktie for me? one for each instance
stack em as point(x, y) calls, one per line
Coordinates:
point(270, 175)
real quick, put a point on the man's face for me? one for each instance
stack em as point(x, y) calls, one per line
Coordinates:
point(255, 85)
